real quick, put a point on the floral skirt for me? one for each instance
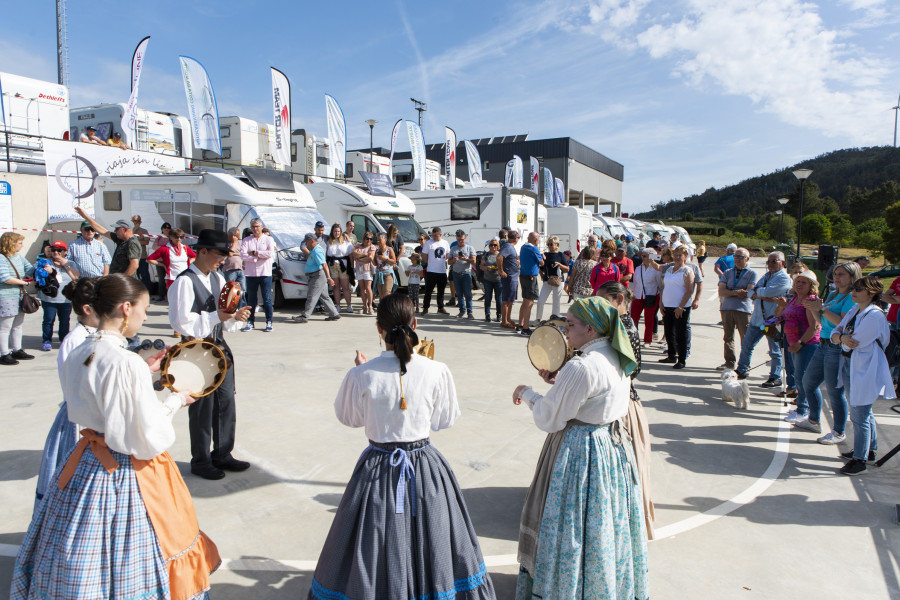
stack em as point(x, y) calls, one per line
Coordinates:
point(593, 542)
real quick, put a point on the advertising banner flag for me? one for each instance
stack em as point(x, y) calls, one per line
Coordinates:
point(73, 169)
point(450, 157)
point(417, 151)
point(474, 160)
point(202, 108)
point(337, 134)
point(129, 116)
point(548, 187)
point(514, 173)
point(559, 197)
point(535, 175)
point(281, 107)
point(394, 133)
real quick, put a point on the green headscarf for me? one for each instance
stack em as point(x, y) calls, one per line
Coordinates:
point(603, 317)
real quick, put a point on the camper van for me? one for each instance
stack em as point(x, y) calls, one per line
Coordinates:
point(163, 133)
point(572, 225)
point(32, 109)
point(608, 227)
point(340, 203)
point(245, 143)
point(364, 162)
point(481, 212)
point(309, 155)
point(208, 199)
point(406, 178)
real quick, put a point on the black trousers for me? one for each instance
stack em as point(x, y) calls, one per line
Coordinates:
point(676, 332)
point(431, 280)
point(212, 419)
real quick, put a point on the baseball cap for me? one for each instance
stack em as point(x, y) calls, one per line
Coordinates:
point(122, 223)
point(90, 128)
point(731, 247)
point(320, 223)
point(309, 236)
point(59, 244)
point(85, 225)
point(628, 238)
point(811, 275)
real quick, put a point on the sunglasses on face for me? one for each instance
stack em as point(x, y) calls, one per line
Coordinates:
point(91, 229)
point(56, 250)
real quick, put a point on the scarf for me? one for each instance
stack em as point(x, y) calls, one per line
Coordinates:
point(604, 319)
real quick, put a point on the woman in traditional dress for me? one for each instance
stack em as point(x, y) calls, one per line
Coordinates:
point(582, 532)
point(402, 529)
point(635, 422)
point(119, 521)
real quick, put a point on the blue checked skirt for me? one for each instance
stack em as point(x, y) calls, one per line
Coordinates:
point(593, 542)
point(402, 532)
point(91, 540)
point(62, 438)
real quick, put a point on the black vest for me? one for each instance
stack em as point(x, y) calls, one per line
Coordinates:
point(206, 301)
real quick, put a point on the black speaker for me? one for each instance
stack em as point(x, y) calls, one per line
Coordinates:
point(828, 256)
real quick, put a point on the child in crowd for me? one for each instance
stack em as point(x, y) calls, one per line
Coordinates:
point(415, 274)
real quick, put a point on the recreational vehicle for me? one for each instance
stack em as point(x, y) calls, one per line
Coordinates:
point(572, 225)
point(406, 178)
point(608, 227)
point(364, 162)
point(163, 133)
point(31, 109)
point(245, 143)
point(309, 155)
point(340, 203)
point(205, 199)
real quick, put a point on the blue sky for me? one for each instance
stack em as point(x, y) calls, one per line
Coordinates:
point(686, 94)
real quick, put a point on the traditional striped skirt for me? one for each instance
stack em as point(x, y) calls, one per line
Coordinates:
point(592, 541)
point(401, 532)
point(60, 441)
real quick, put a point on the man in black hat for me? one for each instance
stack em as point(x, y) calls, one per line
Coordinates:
point(194, 313)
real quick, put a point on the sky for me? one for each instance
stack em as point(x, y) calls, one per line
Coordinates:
point(686, 94)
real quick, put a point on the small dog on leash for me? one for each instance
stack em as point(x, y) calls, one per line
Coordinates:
point(735, 390)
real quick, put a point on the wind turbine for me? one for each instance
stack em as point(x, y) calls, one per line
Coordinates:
point(896, 109)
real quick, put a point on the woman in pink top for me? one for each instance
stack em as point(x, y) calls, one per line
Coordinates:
point(605, 270)
point(801, 328)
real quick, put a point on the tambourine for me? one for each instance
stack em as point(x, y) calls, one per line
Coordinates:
point(230, 297)
point(197, 366)
point(425, 348)
point(548, 347)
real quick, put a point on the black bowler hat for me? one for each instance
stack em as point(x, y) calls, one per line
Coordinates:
point(213, 240)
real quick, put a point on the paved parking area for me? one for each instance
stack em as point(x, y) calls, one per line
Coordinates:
point(746, 507)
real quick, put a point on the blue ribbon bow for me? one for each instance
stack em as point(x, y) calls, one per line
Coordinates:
point(399, 458)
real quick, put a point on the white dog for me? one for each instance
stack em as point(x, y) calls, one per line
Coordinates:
point(735, 390)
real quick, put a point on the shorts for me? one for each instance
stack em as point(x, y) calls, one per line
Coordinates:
point(509, 289)
point(363, 276)
point(529, 285)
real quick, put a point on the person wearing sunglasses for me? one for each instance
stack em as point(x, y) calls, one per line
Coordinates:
point(364, 267)
point(555, 265)
point(89, 254)
point(491, 281)
point(60, 271)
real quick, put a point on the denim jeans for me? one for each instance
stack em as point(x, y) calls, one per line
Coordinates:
point(824, 367)
point(801, 360)
point(253, 285)
point(52, 311)
point(238, 276)
point(865, 437)
point(749, 342)
point(463, 284)
point(491, 290)
point(788, 364)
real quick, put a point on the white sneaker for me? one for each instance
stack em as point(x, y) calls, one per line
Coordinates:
point(793, 417)
point(831, 438)
point(803, 423)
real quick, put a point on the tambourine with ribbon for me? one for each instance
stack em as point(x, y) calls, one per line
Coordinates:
point(230, 297)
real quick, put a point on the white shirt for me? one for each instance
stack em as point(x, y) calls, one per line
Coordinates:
point(78, 334)
point(592, 388)
point(870, 375)
point(674, 287)
point(177, 262)
point(370, 397)
point(181, 300)
point(645, 282)
point(437, 256)
point(114, 395)
point(339, 249)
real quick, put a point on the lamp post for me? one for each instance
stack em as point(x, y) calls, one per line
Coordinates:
point(800, 174)
point(371, 123)
point(782, 202)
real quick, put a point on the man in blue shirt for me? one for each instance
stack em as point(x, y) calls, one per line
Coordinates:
point(318, 278)
point(89, 254)
point(508, 269)
point(531, 262)
point(774, 284)
point(726, 262)
point(734, 291)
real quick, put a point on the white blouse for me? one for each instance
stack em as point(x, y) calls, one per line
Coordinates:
point(370, 397)
point(645, 282)
point(78, 334)
point(674, 287)
point(181, 300)
point(114, 395)
point(870, 375)
point(592, 388)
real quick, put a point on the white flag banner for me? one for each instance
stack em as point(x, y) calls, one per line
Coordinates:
point(450, 157)
point(394, 133)
point(417, 151)
point(130, 115)
point(281, 107)
point(514, 173)
point(559, 197)
point(535, 175)
point(548, 187)
point(337, 134)
point(474, 160)
point(202, 108)
point(73, 169)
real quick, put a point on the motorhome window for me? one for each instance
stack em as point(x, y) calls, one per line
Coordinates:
point(349, 172)
point(269, 179)
point(408, 227)
point(210, 155)
point(104, 130)
point(403, 178)
point(465, 209)
point(487, 165)
point(287, 224)
point(179, 139)
point(112, 201)
point(294, 152)
point(360, 223)
point(542, 226)
point(226, 152)
point(225, 131)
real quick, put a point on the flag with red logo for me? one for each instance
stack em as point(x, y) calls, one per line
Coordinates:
point(535, 175)
point(450, 157)
point(281, 106)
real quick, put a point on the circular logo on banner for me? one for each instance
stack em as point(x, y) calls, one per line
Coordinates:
point(77, 176)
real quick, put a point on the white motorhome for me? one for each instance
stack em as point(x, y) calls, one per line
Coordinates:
point(572, 225)
point(204, 199)
point(481, 212)
point(608, 227)
point(340, 202)
point(163, 133)
point(362, 162)
point(245, 143)
point(30, 109)
point(406, 178)
point(309, 155)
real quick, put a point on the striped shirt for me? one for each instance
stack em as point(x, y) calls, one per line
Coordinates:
point(89, 257)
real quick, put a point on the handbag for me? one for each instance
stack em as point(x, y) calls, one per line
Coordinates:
point(29, 302)
point(554, 281)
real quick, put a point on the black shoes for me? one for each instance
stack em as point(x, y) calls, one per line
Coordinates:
point(849, 455)
point(21, 355)
point(771, 382)
point(854, 467)
point(7, 359)
point(207, 471)
point(443, 311)
point(745, 375)
point(668, 359)
point(678, 365)
point(232, 464)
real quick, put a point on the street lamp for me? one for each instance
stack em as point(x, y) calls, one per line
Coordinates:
point(800, 174)
point(371, 123)
point(782, 202)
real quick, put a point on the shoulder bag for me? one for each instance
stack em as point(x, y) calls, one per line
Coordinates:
point(29, 302)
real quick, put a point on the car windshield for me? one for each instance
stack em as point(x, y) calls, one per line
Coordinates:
point(288, 225)
point(408, 227)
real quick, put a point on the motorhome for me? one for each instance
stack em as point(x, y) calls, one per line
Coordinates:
point(340, 203)
point(608, 227)
point(406, 178)
point(481, 212)
point(365, 162)
point(572, 225)
point(245, 143)
point(29, 110)
point(685, 238)
point(213, 199)
point(163, 133)
point(309, 155)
